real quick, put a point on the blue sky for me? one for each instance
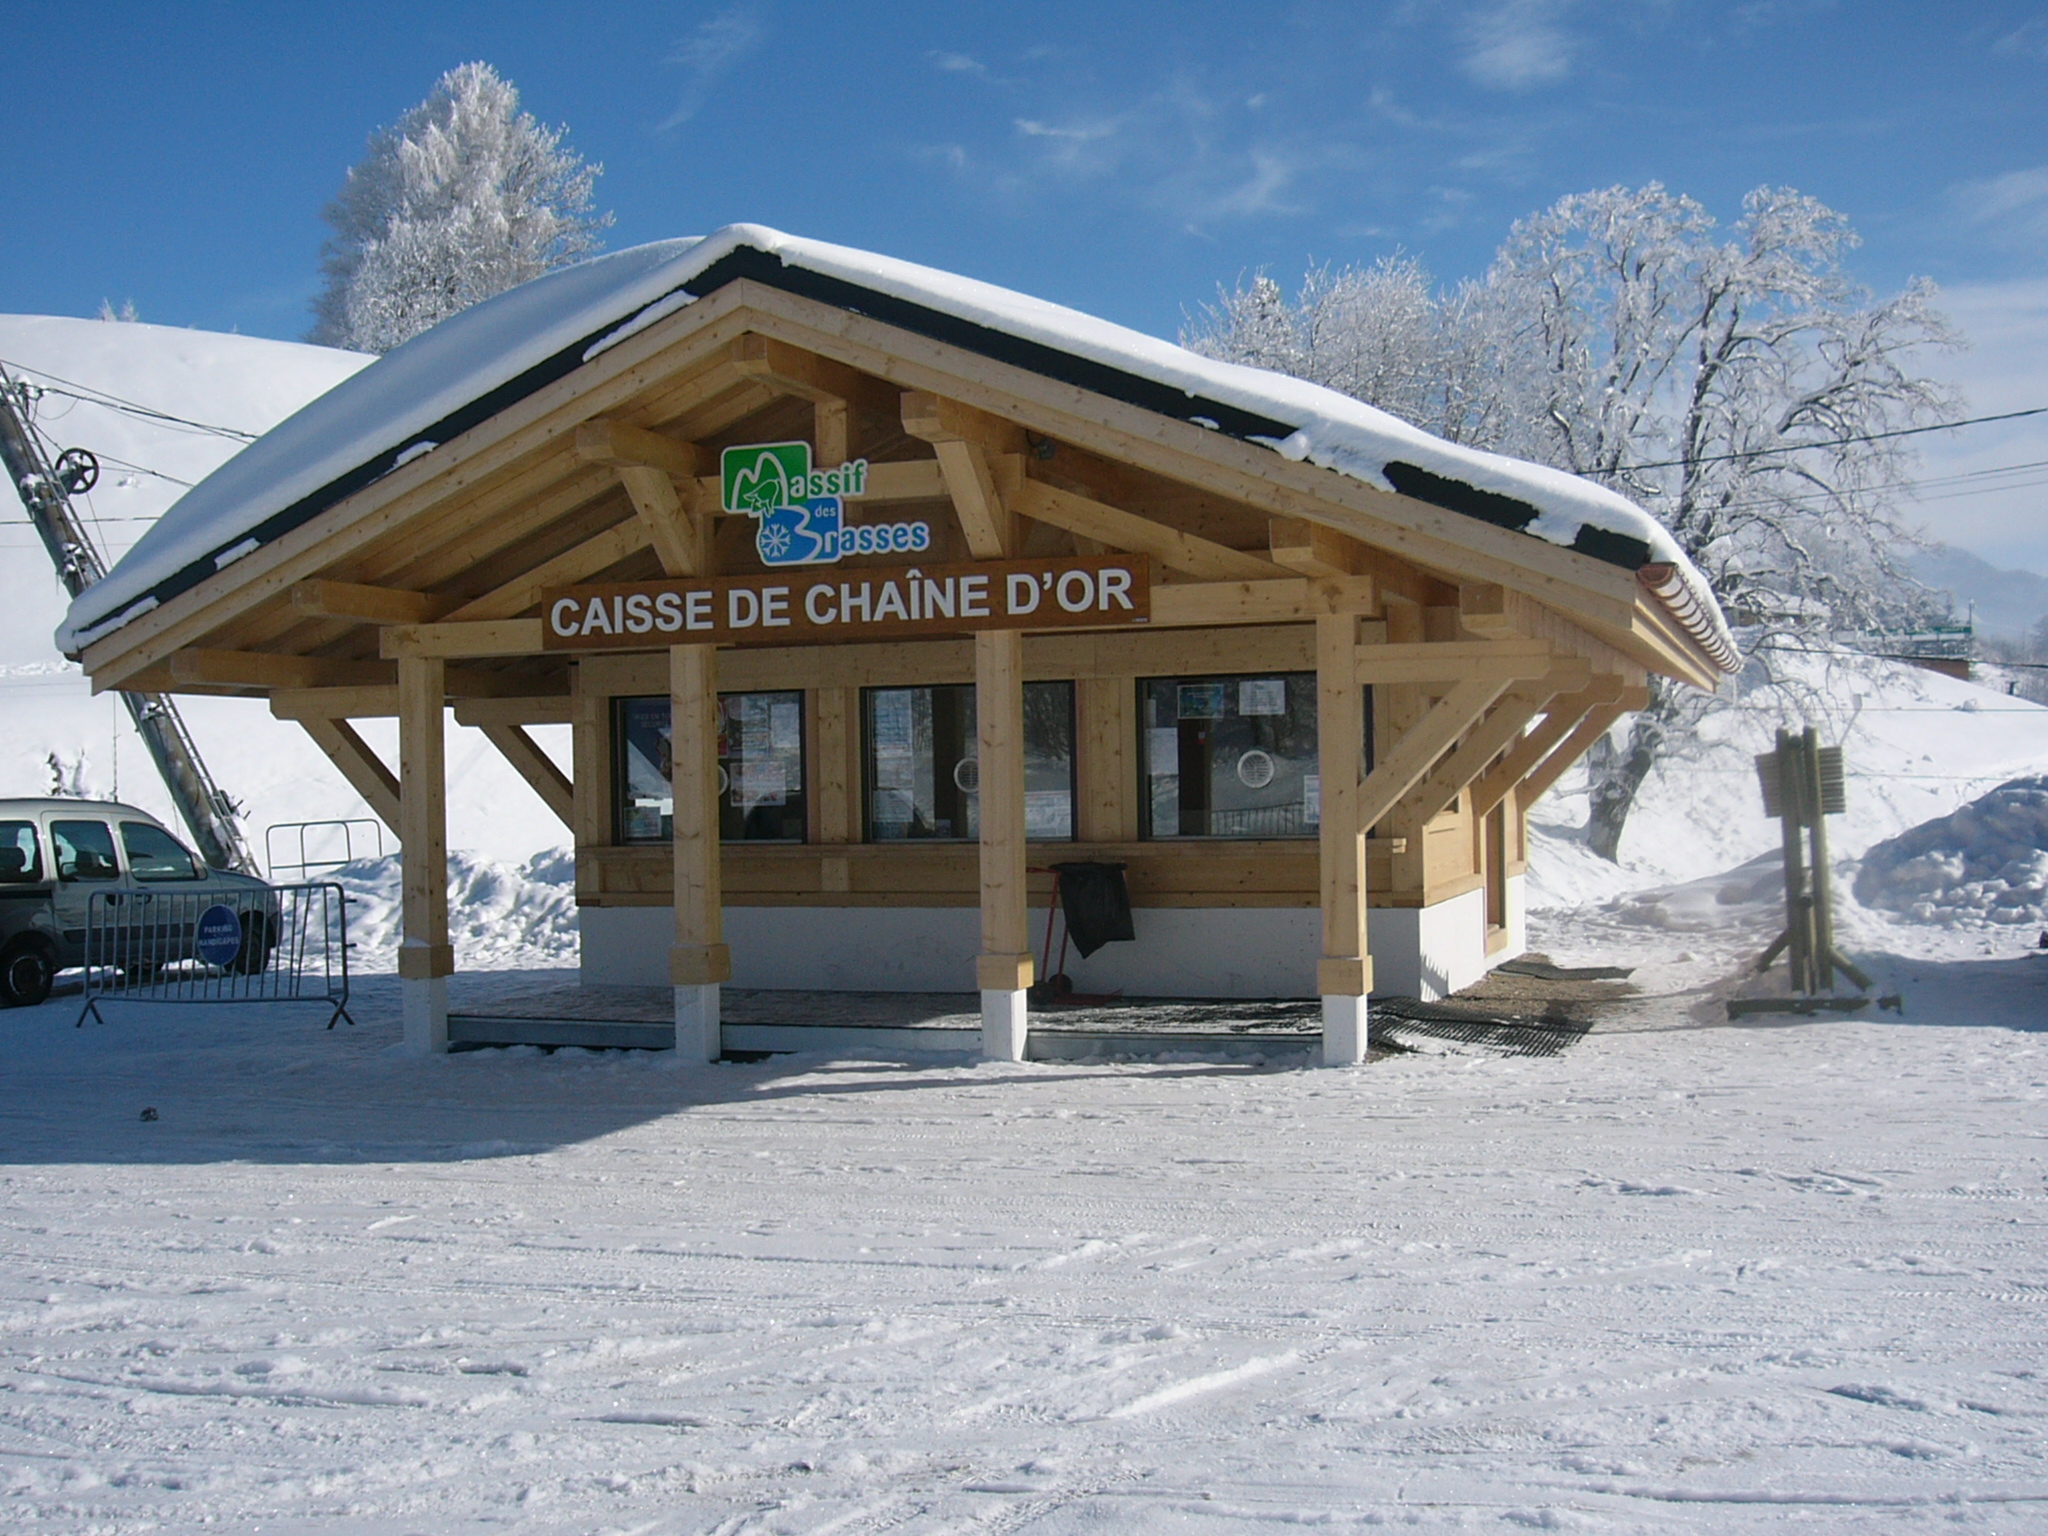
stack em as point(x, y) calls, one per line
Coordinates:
point(1120, 157)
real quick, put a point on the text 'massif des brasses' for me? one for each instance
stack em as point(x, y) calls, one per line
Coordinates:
point(841, 604)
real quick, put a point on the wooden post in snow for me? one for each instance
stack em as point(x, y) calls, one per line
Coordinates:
point(1003, 971)
point(425, 958)
point(700, 962)
point(1344, 973)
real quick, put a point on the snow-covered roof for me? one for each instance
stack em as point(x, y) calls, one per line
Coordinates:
point(472, 366)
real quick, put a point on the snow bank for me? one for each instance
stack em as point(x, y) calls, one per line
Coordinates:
point(473, 365)
point(500, 916)
point(1987, 862)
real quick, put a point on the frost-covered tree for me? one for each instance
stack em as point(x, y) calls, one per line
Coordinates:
point(463, 197)
point(1737, 387)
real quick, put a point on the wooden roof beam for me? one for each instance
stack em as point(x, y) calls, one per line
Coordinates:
point(792, 371)
point(660, 475)
point(1578, 744)
point(628, 447)
point(966, 443)
point(1199, 557)
point(362, 768)
point(1417, 752)
point(266, 670)
point(575, 564)
point(534, 766)
point(365, 604)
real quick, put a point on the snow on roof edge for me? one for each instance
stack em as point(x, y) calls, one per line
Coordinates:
point(357, 431)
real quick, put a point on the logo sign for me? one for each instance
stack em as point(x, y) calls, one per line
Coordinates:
point(218, 937)
point(850, 605)
point(801, 512)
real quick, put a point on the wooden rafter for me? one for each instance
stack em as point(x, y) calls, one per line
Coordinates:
point(534, 766)
point(660, 476)
point(267, 669)
point(1561, 717)
point(1417, 751)
point(1573, 747)
point(366, 604)
point(580, 563)
point(1199, 557)
point(1481, 745)
point(364, 770)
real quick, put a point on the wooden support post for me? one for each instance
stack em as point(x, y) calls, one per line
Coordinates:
point(1344, 974)
point(425, 958)
point(699, 963)
point(536, 767)
point(364, 770)
point(835, 765)
point(1004, 970)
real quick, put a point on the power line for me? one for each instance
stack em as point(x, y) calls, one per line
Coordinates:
point(74, 390)
point(1839, 442)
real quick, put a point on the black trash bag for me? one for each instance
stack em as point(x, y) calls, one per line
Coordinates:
point(1097, 905)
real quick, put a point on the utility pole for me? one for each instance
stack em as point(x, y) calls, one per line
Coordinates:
point(46, 492)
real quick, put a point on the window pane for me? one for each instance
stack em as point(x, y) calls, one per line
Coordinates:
point(923, 768)
point(153, 854)
point(21, 858)
point(85, 850)
point(1231, 756)
point(760, 768)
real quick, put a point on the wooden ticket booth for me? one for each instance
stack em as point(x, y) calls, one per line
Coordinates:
point(870, 592)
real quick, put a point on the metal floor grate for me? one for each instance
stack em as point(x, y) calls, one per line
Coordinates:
point(1403, 1023)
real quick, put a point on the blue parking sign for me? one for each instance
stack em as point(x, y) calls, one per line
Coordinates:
point(218, 939)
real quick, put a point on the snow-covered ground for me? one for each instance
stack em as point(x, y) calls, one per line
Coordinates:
point(271, 766)
point(1683, 1277)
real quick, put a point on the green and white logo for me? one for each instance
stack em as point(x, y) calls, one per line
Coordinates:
point(798, 510)
point(759, 477)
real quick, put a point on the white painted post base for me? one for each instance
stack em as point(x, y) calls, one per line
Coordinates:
point(1002, 1025)
point(1344, 1030)
point(697, 1033)
point(423, 1005)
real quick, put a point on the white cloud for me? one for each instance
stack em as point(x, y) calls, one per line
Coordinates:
point(708, 53)
point(957, 64)
point(2029, 40)
point(1515, 45)
point(2014, 205)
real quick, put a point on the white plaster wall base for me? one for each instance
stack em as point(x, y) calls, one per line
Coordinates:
point(1003, 1025)
point(1343, 1030)
point(697, 1032)
point(1248, 952)
point(423, 1007)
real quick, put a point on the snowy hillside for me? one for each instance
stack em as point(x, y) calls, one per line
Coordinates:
point(246, 385)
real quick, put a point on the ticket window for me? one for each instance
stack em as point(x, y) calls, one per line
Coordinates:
point(1233, 755)
point(923, 771)
point(761, 791)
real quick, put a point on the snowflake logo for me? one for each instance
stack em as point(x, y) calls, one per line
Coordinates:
point(773, 540)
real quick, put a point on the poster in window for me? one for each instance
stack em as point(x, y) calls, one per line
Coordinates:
point(785, 725)
point(1202, 701)
point(1162, 751)
point(1312, 799)
point(892, 720)
point(1262, 696)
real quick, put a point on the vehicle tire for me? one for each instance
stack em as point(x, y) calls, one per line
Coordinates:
point(257, 939)
point(26, 974)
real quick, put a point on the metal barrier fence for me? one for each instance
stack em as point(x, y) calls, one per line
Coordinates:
point(259, 944)
point(307, 863)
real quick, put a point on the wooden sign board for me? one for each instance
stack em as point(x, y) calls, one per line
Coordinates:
point(829, 604)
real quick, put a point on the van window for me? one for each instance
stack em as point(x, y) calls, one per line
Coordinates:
point(85, 850)
point(21, 854)
point(153, 854)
